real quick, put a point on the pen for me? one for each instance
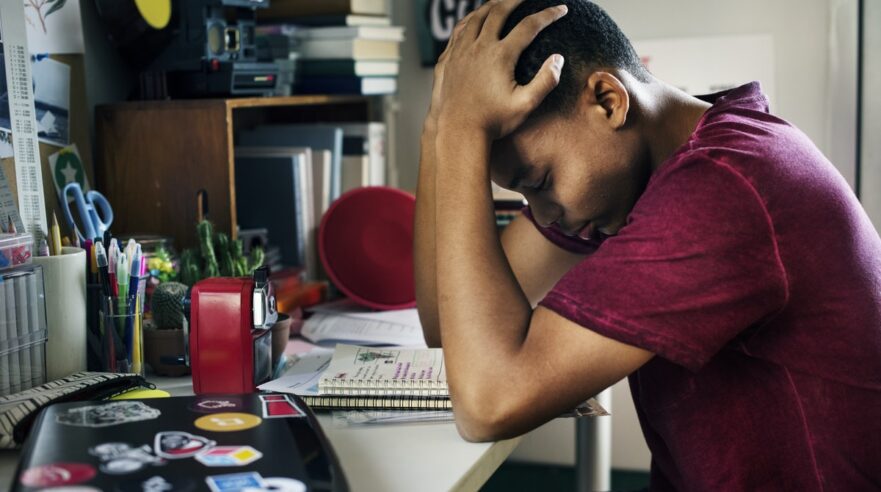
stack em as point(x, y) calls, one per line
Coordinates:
point(135, 269)
point(76, 237)
point(121, 278)
point(44, 248)
point(103, 274)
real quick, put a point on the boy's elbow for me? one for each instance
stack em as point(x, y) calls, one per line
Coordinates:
point(483, 419)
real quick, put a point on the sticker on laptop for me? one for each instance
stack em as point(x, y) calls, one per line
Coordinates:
point(72, 488)
point(175, 445)
point(210, 404)
point(278, 406)
point(227, 422)
point(158, 484)
point(229, 456)
point(119, 458)
point(57, 474)
point(282, 484)
point(236, 482)
point(114, 413)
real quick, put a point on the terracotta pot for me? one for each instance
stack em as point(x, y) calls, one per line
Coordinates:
point(161, 346)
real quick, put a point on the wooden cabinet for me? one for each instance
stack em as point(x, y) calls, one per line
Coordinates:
point(154, 157)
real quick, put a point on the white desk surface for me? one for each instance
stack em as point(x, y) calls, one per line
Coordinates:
point(388, 458)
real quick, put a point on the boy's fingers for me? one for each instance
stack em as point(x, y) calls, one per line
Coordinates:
point(525, 32)
point(476, 20)
point(533, 93)
point(496, 20)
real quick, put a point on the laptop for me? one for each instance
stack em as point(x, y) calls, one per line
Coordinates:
point(218, 443)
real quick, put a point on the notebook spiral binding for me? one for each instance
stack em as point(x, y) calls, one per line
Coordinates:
point(389, 387)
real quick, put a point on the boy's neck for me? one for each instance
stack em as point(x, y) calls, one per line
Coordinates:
point(670, 116)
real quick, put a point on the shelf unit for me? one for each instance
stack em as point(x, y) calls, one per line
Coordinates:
point(153, 157)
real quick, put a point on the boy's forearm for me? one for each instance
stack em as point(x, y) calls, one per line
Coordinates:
point(424, 250)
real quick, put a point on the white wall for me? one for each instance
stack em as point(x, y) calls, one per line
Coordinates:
point(871, 158)
point(805, 32)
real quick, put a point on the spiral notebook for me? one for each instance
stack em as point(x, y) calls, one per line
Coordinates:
point(383, 377)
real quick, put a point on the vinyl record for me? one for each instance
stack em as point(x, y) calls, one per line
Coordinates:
point(366, 246)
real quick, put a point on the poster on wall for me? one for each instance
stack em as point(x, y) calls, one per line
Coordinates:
point(435, 23)
point(703, 65)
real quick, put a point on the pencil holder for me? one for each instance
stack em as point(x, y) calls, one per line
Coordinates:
point(65, 280)
point(122, 335)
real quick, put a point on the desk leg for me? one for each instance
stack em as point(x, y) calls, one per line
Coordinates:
point(593, 449)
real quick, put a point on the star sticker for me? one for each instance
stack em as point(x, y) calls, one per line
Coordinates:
point(69, 173)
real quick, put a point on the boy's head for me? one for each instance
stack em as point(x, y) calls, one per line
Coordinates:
point(579, 159)
point(587, 38)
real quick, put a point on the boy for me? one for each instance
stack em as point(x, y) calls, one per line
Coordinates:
point(701, 246)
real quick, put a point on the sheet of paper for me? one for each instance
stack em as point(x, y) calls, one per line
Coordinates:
point(7, 204)
point(18, 113)
point(52, 100)
point(301, 375)
point(330, 329)
point(346, 418)
point(54, 27)
point(5, 143)
point(406, 317)
point(388, 366)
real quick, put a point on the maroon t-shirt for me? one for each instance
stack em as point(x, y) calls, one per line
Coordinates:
point(749, 267)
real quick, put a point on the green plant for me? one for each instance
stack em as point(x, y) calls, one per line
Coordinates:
point(217, 256)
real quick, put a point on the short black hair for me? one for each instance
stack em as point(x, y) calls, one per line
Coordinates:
point(587, 38)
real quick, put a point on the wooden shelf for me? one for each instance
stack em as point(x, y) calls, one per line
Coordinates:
point(153, 157)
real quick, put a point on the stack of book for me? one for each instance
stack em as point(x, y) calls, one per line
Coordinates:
point(340, 46)
point(507, 204)
point(383, 378)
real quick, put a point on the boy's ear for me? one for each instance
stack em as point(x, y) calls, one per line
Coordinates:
point(608, 98)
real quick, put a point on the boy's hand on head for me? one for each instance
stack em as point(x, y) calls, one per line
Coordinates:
point(475, 88)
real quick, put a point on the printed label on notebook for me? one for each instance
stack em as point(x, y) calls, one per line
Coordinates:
point(229, 456)
point(108, 414)
point(277, 406)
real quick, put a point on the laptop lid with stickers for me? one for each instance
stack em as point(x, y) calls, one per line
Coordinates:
point(219, 443)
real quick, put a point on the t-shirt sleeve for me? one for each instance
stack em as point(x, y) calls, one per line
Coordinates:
point(696, 265)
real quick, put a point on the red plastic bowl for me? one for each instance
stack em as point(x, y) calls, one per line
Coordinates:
point(365, 243)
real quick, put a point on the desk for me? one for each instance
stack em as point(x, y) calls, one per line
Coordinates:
point(382, 458)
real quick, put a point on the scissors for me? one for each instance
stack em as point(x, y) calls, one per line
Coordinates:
point(94, 211)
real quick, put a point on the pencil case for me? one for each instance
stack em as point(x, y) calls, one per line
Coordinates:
point(18, 411)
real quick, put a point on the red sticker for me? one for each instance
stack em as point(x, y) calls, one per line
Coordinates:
point(57, 474)
point(277, 408)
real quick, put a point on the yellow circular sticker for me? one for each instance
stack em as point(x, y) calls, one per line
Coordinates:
point(227, 422)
